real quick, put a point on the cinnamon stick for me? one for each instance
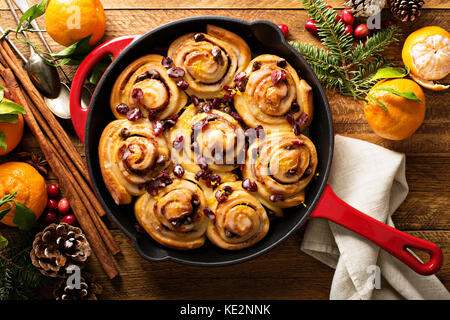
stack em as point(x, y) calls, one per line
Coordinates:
point(63, 174)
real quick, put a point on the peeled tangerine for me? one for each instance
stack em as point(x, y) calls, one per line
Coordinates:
point(427, 53)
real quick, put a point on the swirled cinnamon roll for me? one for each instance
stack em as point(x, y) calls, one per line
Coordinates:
point(282, 165)
point(240, 219)
point(273, 95)
point(130, 155)
point(145, 85)
point(214, 139)
point(175, 216)
point(210, 60)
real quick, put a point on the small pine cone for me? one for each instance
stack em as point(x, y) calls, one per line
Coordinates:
point(59, 247)
point(88, 289)
point(365, 8)
point(406, 10)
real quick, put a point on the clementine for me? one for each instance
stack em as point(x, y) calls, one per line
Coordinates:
point(29, 184)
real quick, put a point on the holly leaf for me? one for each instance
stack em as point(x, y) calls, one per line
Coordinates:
point(9, 118)
point(3, 141)
point(390, 73)
point(34, 12)
point(405, 94)
point(78, 49)
point(3, 242)
point(9, 107)
point(24, 217)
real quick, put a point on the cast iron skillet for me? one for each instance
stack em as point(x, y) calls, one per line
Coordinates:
point(321, 202)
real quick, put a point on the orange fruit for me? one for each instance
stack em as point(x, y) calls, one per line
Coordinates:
point(69, 21)
point(427, 53)
point(13, 133)
point(403, 116)
point(29, 184)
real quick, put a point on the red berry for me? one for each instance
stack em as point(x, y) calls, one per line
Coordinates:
point(348, 17)
point(53, 190)
point(52, 204)
point(69, 219)
point(328, 6)
point(337, 19)
point(284, 28)
point(348, 30)
point(49, 217)
point(311, 26)
point(63, 206)
point(361, 31)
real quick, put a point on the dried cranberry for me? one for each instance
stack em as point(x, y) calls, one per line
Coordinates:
point(217, 55)
point(296, 129)
point(242, 85)
point(276, 197)
point(249, 185)
point(215, 103)
point(277, 76)
point(167, 62)
point(281, 63)
point(158, 127)
point(308, 171)
point(202, 163)
point(228, 190)
point(176, 72)
point(194, 100)
point(141, 77)
point(199, 175)
point(153, 74)
point(178, 143)
point(220, 196)
point(169, 123)
point(152, 113)
point(213, 181)
point(227, 110)
point(208, 213)
point(291, 172)
point(137, 95)
point(227, 88)
point(240, 76)
point(236, 116)
point(260, 133)
point(199, 37)
point(152, 189)
point(294, 107)
point(303, 119)
point(290, 119)
point(183, 84)
point(256, 65)
point(178, 171)
point(134, 115)
point(298, 142)
point(205, 107)
point(124, 133)
point(122, 108)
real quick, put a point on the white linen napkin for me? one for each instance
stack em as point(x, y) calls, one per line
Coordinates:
point(371, 179)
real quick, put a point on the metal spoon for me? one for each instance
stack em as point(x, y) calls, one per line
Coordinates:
point(44, 77)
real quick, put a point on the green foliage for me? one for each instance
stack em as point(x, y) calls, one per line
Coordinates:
point(18, 277)
point(9, 112)
point(340, 65)
point(23, 216)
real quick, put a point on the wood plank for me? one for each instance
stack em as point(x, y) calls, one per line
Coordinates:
point(224, 4)
point(288, 272)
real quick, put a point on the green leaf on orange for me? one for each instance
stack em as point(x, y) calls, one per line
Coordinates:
point(24, 217)
point(405, 94)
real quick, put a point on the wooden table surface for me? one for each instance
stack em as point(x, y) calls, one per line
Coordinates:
point(285, 272)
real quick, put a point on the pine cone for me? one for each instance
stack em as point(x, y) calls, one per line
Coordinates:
point(88, 289)
point(365, 8)
point(57, 248)
point(406, 10)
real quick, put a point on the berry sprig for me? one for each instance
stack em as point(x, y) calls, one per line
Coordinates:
point(54, 206)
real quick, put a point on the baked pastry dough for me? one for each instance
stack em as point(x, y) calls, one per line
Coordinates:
point(273, 91)
point(210, 60)
point(161, 97)
point(215, 135)
point(282, 165)
point(175, 216)
point(240, 219)
point(130, 155)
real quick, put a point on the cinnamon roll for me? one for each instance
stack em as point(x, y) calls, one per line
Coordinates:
point(130, 155)
point(282, 165)
point(146, 85)
point(240, 219)
point(273, 95)
point(210, 60)
point(214, 139)
point(175, 216)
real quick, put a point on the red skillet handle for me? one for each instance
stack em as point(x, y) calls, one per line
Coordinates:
point(395, 242)
point(79, 114)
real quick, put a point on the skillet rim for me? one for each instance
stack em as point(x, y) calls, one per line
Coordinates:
point(324, 176)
